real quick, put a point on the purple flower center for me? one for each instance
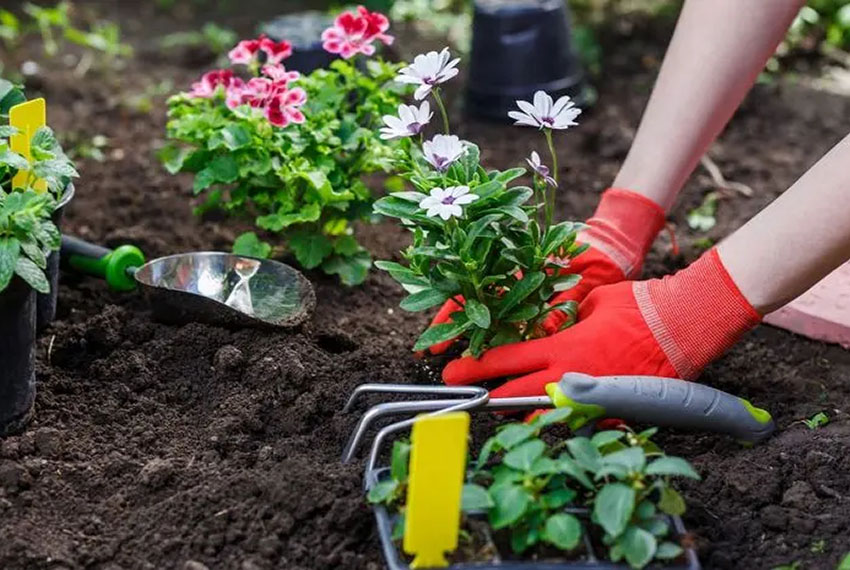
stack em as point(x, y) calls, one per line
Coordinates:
point(547, 120)
point(440, 162)
point(448, 200)
point(414, 128)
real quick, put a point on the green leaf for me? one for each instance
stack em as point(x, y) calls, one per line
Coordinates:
point(632, 458)
point(521, 314)
point(249, 244)
point(638, 546)
point(441, 333)
point(9, 251)
point(566, 282)
point(513, 434)
point(645, 510)
point(510, 503)
point(845, 563)
point(556, 236)
point(523, 456)
point(562, 530)
point(351, 269)
point(613, 507)
point(552, 417)
point(232, 136)
point(30, 272)
point(571, 468)
point(346, 246)
point(424, 300)
point(475, 498)
point(671, 551)
point(382, 491)
point(173, 157)
point(670, 465)
point(478, 313)
point(558, 498)
point(585, 453)
point(520, 291)
point(310, 249)
point(603, 438)
point(222, 169)
point(277, 222)
point(671, 502)
point(400, 459)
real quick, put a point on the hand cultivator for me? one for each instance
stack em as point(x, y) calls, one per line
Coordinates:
point(667, 402)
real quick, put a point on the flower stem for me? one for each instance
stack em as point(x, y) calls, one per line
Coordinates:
point(442, 107)
point(550, 201)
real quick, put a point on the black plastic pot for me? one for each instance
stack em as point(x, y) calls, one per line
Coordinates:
point(395, 561)
point(17, 356)
point(518, 48)
point(46, 304)
point(304, 31)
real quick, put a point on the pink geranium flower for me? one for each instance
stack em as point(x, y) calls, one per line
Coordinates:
point(283, 107)
point(247, 52)
point(354, 33)
point(212, 81)
point(279, 74)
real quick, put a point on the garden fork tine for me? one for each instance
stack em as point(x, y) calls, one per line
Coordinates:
point(477, 398)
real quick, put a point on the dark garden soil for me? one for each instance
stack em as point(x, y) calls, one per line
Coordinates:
point(158, 447)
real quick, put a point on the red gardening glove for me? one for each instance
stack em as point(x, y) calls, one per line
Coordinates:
point(619, 234)
point(670, 327)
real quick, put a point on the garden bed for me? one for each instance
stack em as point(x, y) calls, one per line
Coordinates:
point(156, 445)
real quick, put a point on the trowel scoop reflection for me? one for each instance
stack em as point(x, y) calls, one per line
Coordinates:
point(214, 287)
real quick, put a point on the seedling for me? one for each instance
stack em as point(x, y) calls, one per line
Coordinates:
point(292, 150)
point(818, 547)
point(818, 420)
point(703, 218)
point(490, 245)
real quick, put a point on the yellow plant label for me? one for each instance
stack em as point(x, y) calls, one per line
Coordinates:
point(27, 118)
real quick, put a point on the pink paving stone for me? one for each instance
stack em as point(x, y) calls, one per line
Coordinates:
point(822, 312)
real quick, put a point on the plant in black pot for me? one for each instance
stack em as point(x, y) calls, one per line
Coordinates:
point(520, 47)
point(27, 235)
point(48, 164)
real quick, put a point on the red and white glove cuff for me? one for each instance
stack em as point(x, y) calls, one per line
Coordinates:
point(696, 314)
point(623, 228)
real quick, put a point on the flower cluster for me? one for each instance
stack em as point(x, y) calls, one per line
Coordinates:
point(356, 32)
point(303, 182)
point(476, 238)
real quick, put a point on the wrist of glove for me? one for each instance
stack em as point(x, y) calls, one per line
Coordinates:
point(669, 327)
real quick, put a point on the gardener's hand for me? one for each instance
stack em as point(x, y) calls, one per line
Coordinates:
point(619, 234)
point(669, 327)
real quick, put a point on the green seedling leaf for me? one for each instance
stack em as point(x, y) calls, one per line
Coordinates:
point(441, 333)
point(520, 291)
point(402, 274)
point(818, 420)
point(510, 503)
point(566, 282)
point(478, 313)
point(32, 274)
point(703, 217)
point(558, 498)
point(351, 269)
point(382, 491)
point(613, 507)
point(603, 438)
point(513, 434)
point(585, 453)
point(9, 251)
point(399, 460)
point(310, 249)
point(249, 244)
point(552, 417)
point(524, 455)
point(645, 510)
point(633, 459)
point(571, 468)
point(638, 546)
point(563, 530)
point(475, 498)
point(424, 300)
point(670, 465)
point(671, 502)
point(669, 551)
point(845, 562)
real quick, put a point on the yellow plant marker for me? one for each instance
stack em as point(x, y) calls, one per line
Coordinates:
point(437, 465)
point(27, 118)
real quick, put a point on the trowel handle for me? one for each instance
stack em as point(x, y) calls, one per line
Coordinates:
point(109, 264)
point(664, 402)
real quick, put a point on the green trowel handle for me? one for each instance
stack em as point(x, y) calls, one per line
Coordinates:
point(110, 264)
point(661, 401)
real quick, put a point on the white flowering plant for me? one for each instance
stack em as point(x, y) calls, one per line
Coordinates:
point(479, 238)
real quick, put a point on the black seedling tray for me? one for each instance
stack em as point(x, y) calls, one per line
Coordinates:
point(395, 560)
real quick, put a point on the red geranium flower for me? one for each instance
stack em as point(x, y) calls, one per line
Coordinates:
point(354, 33)
point(211, 81)
point(282, 108)
point(246, 51)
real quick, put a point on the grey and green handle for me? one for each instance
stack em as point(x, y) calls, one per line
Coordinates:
point(115, 265)
point(668, 402)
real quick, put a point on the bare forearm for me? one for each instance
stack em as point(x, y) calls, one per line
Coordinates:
point(798, 239)
point(718, 49)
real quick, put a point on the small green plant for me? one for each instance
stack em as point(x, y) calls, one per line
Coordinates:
point(478, 239)
point(291, 150)
point(27, 234)
point(818, 420)
point(845, 562)
point(818, 547)
point(536, 492)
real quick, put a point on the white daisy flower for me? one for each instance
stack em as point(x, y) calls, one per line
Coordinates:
point(443, 150)
point(447, 202)
point(410, 121)
point(541, 169)
point(429, 70)
point(546, 114)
